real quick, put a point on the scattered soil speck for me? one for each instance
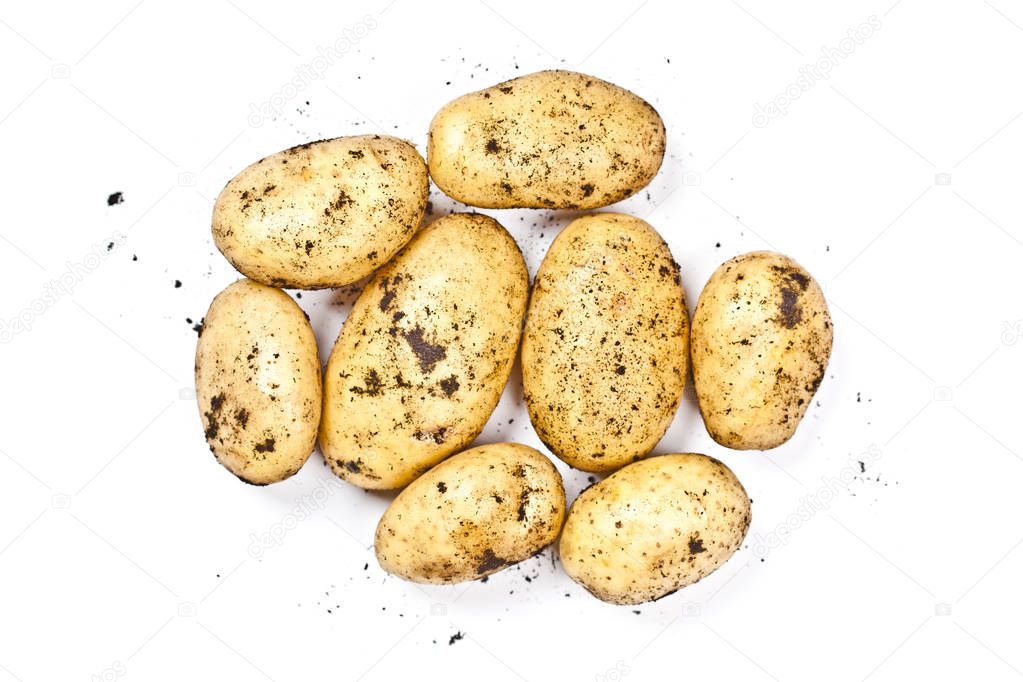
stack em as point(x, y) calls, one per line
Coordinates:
point(449, 385)
point(428, 354)
point(489, 561)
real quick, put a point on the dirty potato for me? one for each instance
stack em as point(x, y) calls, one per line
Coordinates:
point(654, 527)
point(422, 359)
point(322, 214)
point(761, 341)
point(257, 382)
point(472, 515)
point(606, 342)
point(554, 139)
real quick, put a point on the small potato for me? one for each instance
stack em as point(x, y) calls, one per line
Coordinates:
point(761, 342)
point(606, 345)
point(257, 382)
point(472, 515)
point(654, 527)
point(322, 214)
point(422, 359)
point(554, 139)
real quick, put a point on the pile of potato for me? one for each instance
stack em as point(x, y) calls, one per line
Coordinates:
point(427, 350)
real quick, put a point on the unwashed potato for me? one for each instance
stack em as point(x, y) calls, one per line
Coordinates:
point(654, 527)
point(257, 382)
point(553, 139)
point(761, 341)
point(606, 344)
point(472, 515)
point(322, 214)
point(422, 359)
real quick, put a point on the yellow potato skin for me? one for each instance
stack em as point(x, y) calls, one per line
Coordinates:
point(472, 515)
point(257, 382)
point(553, 139)
point(606, 345)
point(761, 341)
point(654, 527)
point(421, 361)
point(322, 214)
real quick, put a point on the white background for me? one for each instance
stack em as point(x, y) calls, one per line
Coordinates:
point(127, 552)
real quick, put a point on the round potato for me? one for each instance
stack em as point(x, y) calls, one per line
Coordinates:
point(422, 359)
point(257, 382)
point(654, 527)
point(472, 515)
point(761, 342)
point(606, 343)
point(554, 139)
point(322, 214)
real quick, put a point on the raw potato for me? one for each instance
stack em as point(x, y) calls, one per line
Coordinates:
point(472, 515)
point(322, 214)
point(553, 139)
point(422, 359)
point(257, 382)
point(606, 344)
point(654, 527)
point(761, 342)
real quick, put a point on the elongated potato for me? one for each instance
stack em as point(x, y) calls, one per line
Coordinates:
point(422, 359)
point(322, 214)
point(606, 342)
point(761, 341)
point(554, 139)
point(257, 382)
point(472, 515)
point(654, 527)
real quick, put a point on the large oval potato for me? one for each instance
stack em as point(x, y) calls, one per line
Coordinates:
point(761, 341)
point(322, 214)
point(472, 515)
point(654, 527)
point(257, 382)
point(606, 344)
point(422, 359)
point(554, 139)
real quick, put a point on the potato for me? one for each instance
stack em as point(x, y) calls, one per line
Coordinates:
point(257, 382)
point(654, 527)
point(472, 515)
point(322, 214)
point(606, 342)
point(554, 139)
point(422, 359)
point(761, 341)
